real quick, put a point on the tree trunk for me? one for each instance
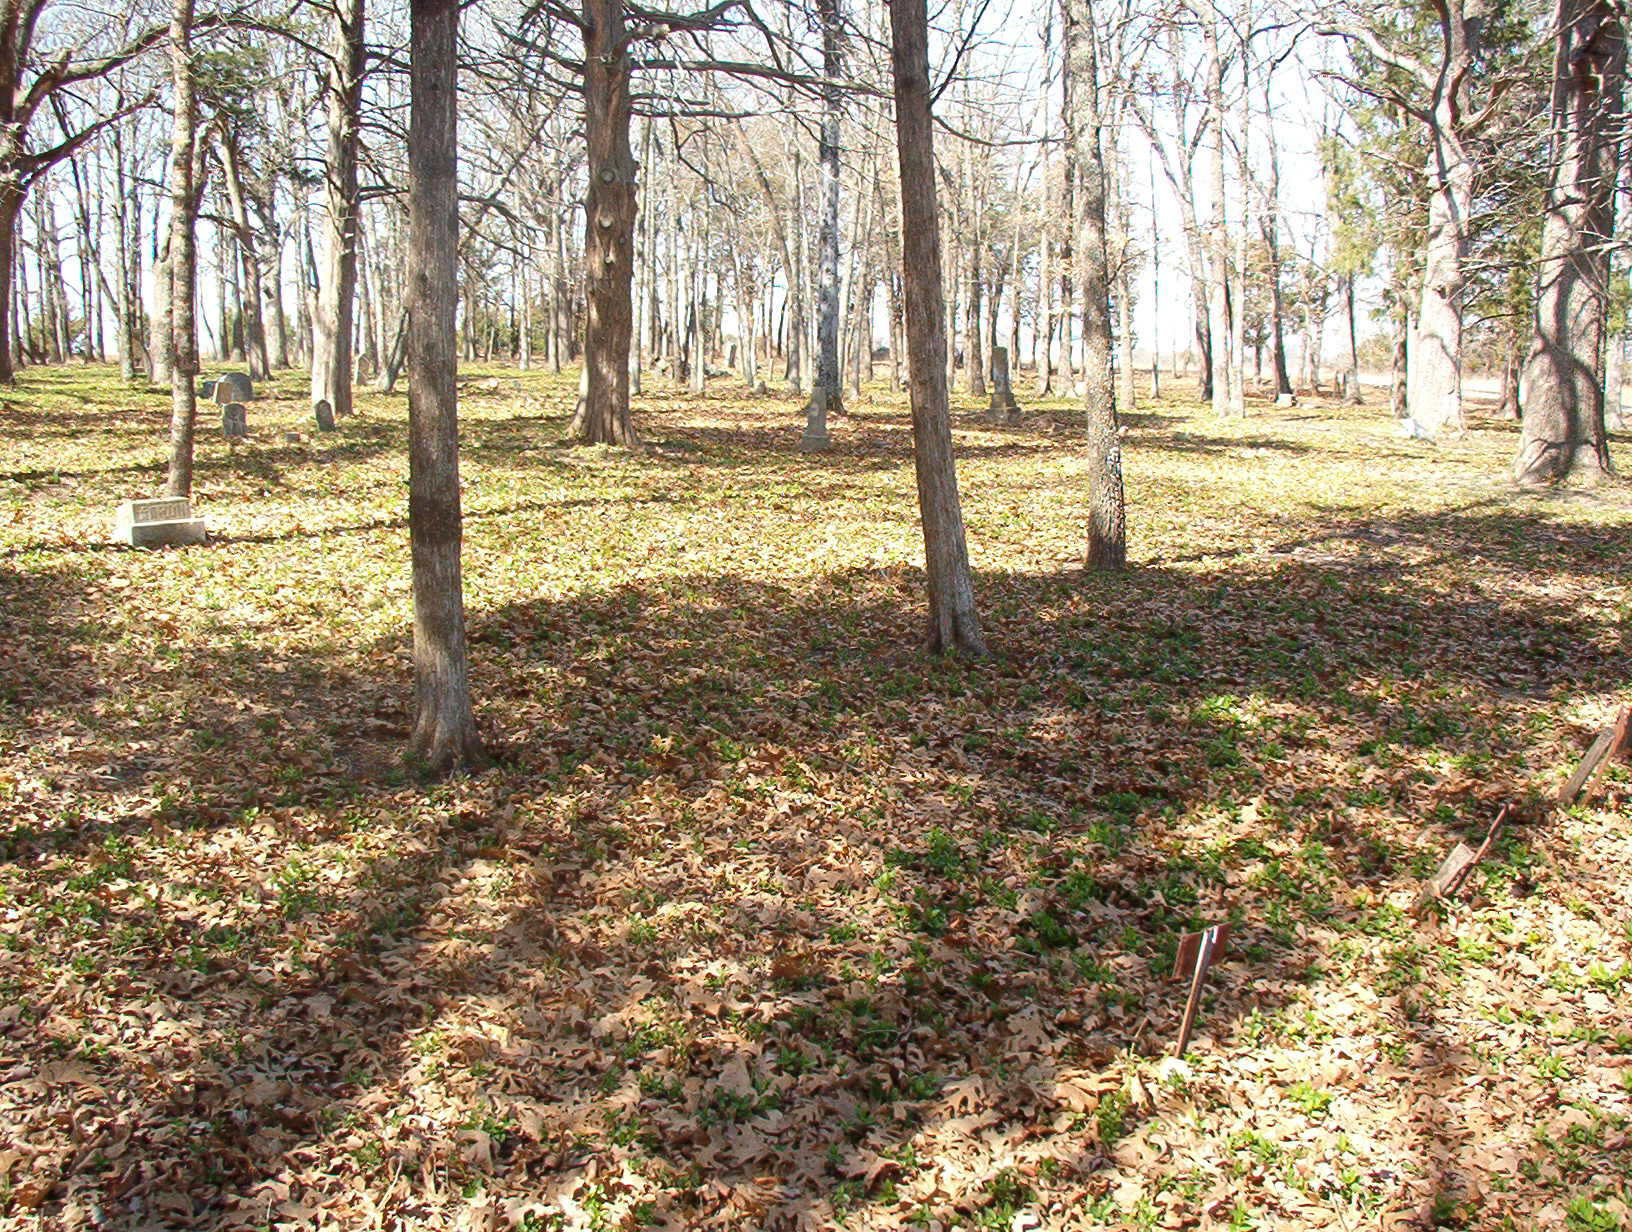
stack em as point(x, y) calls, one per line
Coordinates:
point(1354, 397)
point(609, 230)
point(260, 363)
point(1561, 392)
point(444, 736)
point(954, 625)
point(825, 396)
point(1107, 540)
point(183, 256)
point(337, 283)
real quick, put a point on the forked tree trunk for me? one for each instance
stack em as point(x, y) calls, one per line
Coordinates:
point(826, 398)
point(954, 625)
point(1107, 540)
point(182, 265)
point(444, 736)
point(609, 230)
point(337, 283)
point(1561, 393)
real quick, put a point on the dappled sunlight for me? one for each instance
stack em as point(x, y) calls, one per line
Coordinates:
point(765, 920)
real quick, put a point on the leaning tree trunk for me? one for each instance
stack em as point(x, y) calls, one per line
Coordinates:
point(825, 396)
point(1107, 540)
point(182, 264)
point(444, 736)
point(609, 230)
point(337, 283)
point(954, 624)
point(1561, 392)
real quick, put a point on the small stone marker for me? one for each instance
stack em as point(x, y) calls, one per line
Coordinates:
point(1195, 955)
point(1002, 407)
point(1286, 399)
point(206, 389)
point(234, 387)
point(234, 421)
point(291, 438)
point(165, 522)
point(324, 414)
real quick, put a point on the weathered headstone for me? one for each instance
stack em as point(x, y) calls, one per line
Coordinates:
point(324, 414)
point(1286, 399)
point(234, 387)
point(206, 389)
point(165, 522)
point(1003, 407)
point(291, 438)
point(234, 421)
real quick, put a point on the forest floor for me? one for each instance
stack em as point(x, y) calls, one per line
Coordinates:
point(764, 919)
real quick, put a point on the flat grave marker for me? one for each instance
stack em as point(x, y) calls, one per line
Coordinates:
point(167, 521)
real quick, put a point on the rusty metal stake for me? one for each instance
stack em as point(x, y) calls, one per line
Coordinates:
point(1204, 959)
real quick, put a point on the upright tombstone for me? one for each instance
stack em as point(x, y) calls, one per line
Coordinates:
point(324, 414)
point(234, 387)
point(234, 421)
point(165, 522)
point(1003, 408)
point(206, 389)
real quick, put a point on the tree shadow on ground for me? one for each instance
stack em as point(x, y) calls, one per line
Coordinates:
point(759, 899)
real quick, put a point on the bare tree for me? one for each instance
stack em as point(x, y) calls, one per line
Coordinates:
point(826, 397)
point(954, 624)
point(183, 259)
point(444, 736)
point(337, 276)
point(1107, 543)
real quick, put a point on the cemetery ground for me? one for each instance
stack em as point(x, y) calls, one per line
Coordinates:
point(763, 919)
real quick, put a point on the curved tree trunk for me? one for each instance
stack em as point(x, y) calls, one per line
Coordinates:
point(444, 736)
point(954, 625)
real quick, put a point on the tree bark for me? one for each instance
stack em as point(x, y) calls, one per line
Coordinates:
point(609, 229)
point(826, 398)
point(337, 283)
point(954, 625)
point(182, 265)
point(1561, 392)
point(444, 736)
point(1106, 534)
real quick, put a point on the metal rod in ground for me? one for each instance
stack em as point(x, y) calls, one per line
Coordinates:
point(1204, 959)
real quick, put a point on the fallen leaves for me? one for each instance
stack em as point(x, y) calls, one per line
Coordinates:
point(766, 921)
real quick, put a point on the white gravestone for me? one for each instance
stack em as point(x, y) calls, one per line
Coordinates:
point(165, 522)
